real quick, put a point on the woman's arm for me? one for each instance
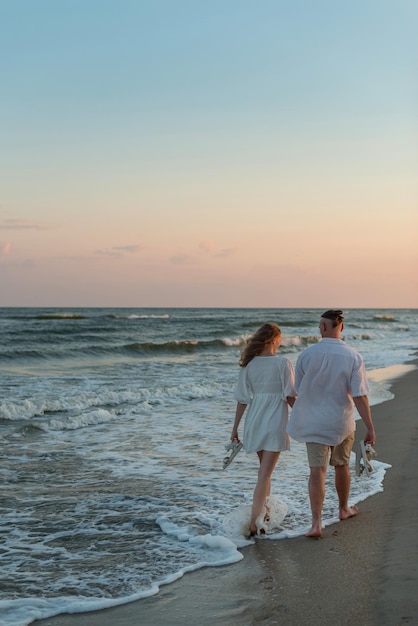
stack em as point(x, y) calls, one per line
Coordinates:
point(239, 412)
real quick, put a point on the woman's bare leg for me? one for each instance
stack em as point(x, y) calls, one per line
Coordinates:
point(268, 462)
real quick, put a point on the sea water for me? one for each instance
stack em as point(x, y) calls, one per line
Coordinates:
point(113, 427)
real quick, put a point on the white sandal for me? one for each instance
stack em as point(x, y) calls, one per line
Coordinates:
point(235, 446)
point(363, 459)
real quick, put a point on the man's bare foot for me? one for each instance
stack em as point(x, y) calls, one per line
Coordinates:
point(348, 511)
point(315, 531)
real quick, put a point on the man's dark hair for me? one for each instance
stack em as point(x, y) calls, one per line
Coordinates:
point(336, 315)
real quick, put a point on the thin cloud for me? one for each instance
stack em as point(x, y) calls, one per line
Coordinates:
point(225, 252)
point(118, 251)
point(14, 224)
point(209, 247)
point(108, 253)
point(129, 249)
point(183, 260)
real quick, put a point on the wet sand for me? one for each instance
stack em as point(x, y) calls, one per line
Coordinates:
point(363, 571)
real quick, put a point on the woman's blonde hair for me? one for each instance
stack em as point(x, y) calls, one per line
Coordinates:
point(256, 344)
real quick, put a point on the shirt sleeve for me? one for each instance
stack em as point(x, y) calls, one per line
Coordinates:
point(359, 382)
point(242, 391)
point(288, 381)
point(299, 372)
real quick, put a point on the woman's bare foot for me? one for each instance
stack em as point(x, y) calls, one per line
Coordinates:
point(348, 511)
point(252, 531)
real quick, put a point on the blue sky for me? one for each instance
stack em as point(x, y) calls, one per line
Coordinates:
point(183, 153)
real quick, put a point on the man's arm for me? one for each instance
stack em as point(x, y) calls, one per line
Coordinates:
point(363, 407)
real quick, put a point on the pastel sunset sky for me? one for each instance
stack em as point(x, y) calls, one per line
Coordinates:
point(239, 153)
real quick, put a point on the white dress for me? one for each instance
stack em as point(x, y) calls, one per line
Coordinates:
point(264, 385)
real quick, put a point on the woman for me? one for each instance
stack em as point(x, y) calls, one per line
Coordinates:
point(266, 386)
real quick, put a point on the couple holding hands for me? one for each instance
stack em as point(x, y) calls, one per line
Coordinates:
point(329, 379)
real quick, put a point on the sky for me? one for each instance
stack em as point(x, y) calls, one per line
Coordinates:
point(209, 153)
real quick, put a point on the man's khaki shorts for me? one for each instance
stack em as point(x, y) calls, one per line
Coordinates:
point(318, 453)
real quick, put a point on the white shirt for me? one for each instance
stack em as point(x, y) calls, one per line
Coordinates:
point(328, 376)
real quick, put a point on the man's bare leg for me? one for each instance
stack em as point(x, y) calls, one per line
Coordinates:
point(316, 496)
point(342, 485)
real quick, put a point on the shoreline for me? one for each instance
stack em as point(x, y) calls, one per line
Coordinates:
point(362, 571)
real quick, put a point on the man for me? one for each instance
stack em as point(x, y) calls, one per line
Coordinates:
point(330, 377)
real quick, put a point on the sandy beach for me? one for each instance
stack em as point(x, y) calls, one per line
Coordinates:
point(363, 571)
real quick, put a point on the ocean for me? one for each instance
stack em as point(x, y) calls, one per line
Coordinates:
point(113, 426)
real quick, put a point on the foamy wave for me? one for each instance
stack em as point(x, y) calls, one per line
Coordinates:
point(150, 317)
point(74, 422)
point(144, 349)
point(60, 316)
point(298, 342)
point(384, 318)
point(133, 400)
point(29, 408)
point(238, 341)
point(130, 349)
point(185, 533)
point(135, 316)
point(185, 345)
